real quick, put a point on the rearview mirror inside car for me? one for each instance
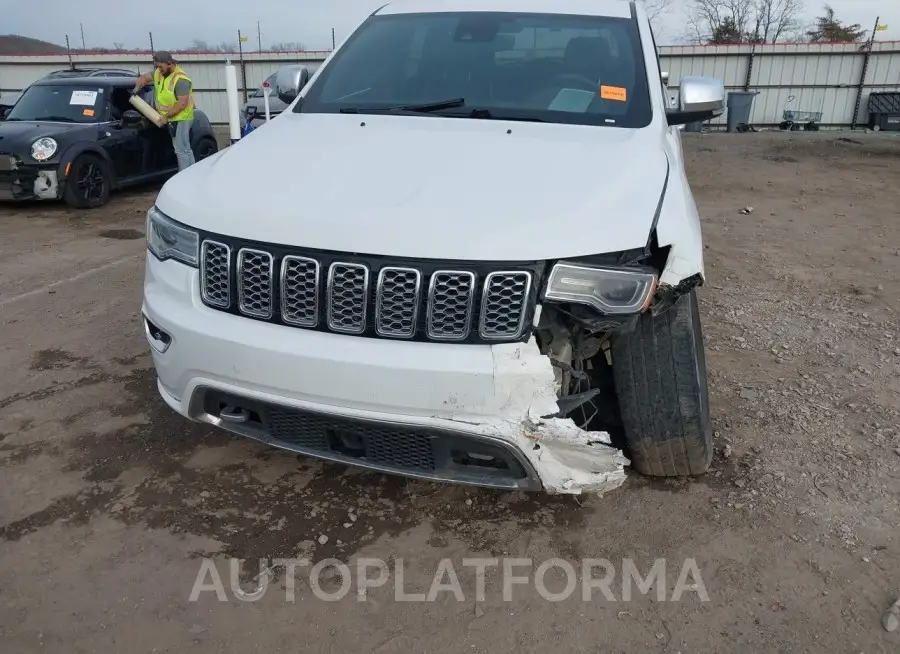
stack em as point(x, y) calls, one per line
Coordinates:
point(131, 117)
point(699, 99)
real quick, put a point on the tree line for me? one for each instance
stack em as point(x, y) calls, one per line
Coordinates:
point(764, 21)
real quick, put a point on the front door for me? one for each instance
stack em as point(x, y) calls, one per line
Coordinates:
point(123, 143)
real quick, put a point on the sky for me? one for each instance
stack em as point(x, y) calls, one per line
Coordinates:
point(176, 23)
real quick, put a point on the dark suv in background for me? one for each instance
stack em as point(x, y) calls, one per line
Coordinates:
point(7, 100)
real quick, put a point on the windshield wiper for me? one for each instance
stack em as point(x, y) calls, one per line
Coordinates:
point(410, 108)
point(486, 114)
point(55, 119)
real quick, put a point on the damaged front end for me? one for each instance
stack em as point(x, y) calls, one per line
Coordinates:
point(575, 440)
point(19, 181)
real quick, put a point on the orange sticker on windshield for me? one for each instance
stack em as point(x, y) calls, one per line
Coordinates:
point(88, 112)
point(616, 93)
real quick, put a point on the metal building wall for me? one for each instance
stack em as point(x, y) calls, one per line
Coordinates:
point(822, 78)
point(807, 77)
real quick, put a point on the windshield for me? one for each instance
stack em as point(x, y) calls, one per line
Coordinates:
point(544, 67)
point(63, 103)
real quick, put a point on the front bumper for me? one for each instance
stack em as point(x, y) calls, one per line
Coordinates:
point(450, 412)
point(23, 181)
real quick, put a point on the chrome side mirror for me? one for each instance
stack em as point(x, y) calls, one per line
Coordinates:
point(289, 81)
point(699, 99)
point(702, 94)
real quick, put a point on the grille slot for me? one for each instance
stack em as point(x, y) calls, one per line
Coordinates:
point(400, 449)
point(450, 298)
point(300, 291)
point(215, 274)
point(397, 301)
point(504, 304)
point(254, 283)
point(348, 286)
point(297, 428)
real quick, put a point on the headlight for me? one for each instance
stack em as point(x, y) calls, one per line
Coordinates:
point(170, 240)
point(43, 149)
point(609, 290)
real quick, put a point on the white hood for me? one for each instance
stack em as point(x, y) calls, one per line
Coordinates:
point(428, 187)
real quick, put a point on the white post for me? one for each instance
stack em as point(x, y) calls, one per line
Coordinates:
point(231, 95)
point(266, 90)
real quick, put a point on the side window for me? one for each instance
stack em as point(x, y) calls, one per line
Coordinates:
point(118, 103)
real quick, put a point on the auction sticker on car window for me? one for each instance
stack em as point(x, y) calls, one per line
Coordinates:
point(84, 98)
point(616, 93)
point(88, 112)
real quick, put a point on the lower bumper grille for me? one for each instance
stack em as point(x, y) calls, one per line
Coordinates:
point(401, 449)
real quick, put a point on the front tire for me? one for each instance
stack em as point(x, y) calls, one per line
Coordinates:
point(88, 184)
point(660, 374)
point(204, 148)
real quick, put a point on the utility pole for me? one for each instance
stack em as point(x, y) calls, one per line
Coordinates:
point(862, 78)
point(258, 37)
point(243, 67)
point(83, 46)
point(69, 52)
point(332, 40)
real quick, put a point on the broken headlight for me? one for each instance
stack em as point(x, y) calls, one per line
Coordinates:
point(170, 240)
point(609, 290)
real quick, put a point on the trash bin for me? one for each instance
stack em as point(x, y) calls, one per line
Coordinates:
point(739, 104)
point(696, 127)
point(884, 111)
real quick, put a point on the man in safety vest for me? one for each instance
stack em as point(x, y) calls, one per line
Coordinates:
point(174, 98)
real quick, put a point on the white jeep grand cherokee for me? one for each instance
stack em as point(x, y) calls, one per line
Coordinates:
point(472, 255)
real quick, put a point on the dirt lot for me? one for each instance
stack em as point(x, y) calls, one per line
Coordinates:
point(109, 503)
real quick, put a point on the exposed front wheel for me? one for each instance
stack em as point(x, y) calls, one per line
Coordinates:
point(205, 147)
point(660, 375)
point(88, 183)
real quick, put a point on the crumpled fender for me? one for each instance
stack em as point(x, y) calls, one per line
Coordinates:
point(678, 226)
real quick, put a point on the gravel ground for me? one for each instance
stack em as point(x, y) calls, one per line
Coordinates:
point(109, 503)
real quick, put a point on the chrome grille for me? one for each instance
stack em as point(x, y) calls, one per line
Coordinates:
point(215, 285)
point(360, 295)
point(348, 292)
point(300, 291)
point(397, 301)
point(503, 306)
point(254, 283)
point(450, 298)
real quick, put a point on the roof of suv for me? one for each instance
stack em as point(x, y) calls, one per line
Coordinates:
point(613, 8)
point(90, 72)
point(80, 81)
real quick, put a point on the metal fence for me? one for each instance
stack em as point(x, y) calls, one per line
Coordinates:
point(831, 78)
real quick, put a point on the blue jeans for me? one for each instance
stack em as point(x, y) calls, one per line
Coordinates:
point(181, 141)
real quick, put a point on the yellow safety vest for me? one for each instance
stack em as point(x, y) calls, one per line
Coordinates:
point(164, 89)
